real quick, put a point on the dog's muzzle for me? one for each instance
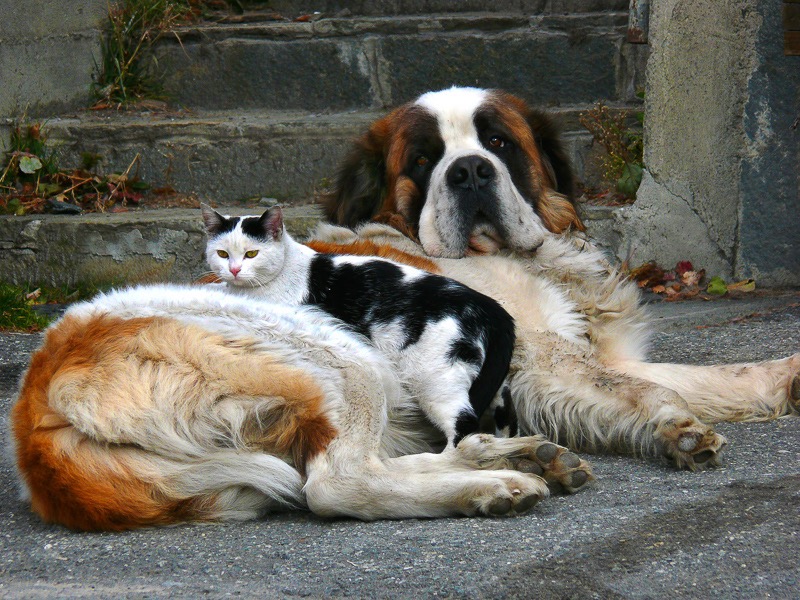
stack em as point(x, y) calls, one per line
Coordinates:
point(472, 206)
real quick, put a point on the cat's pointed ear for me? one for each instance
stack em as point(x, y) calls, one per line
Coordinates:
point(272, 221)
point(212, 219)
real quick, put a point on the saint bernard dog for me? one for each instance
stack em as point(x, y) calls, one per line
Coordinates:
point(479, 183)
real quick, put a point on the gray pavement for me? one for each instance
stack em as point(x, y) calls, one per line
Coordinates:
point(642, 530)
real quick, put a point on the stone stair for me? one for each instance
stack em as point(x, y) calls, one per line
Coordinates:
point(267, 108)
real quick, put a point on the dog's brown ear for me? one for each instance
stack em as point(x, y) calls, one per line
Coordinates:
point(557, 210)
point(360, 182)
point(547, 138)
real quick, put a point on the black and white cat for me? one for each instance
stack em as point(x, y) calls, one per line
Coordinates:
point(451, 345)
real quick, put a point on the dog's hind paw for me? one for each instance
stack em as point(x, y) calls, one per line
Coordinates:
point(690, 444)
point(794, 393)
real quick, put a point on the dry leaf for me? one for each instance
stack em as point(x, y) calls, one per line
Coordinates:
point(690, 278)
point(683, 266)
point(748, 285)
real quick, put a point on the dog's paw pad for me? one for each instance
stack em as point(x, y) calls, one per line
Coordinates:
point(528, 466)
point(526, 503)
point(499, 507)
point(570, 460)
point(688, 441)
point(564, 471)
point(509, 493)
point(704, 456)
point(577, 479)
point(690, 444)
point(547, 452)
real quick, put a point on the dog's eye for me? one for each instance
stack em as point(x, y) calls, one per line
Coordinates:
point(497, 142)
point(222, 254)
point(421, 161)
point(251, 254)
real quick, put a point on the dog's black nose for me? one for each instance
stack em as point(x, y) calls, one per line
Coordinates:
point(470, 172)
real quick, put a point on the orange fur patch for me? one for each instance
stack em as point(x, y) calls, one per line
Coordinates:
point(206, 279)
point(88, 483)
point(556, 211)
point(368, 248)
point(69, 487)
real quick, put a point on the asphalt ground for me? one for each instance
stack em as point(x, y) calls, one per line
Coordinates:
point(642, 530)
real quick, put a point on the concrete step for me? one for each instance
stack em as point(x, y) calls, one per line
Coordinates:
point(95, 249)
point(225, 156)
point(221, 156)
point(147, 246)
point(292, 8)
point(373, 62)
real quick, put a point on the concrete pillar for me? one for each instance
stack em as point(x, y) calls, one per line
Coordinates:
point(721, 181)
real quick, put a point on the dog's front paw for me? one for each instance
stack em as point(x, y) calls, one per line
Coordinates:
point(563, 470)
point(509, 494)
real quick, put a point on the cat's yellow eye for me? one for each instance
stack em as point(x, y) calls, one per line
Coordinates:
point(222, 254)
point(251, 254)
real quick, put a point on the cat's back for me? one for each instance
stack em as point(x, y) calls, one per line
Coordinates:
point(366, 293)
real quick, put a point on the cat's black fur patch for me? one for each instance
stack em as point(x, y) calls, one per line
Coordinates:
point(377, 292)
point(254, 227)
point(224, 225)
point(506, 415)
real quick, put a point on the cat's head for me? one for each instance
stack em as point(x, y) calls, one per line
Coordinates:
point(245, 251)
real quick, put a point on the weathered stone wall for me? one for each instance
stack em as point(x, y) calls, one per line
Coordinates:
point(721, 185)
point(112, 249)
point(769, 235)
point(47, 52)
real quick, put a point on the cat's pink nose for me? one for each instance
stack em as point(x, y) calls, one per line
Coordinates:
point(235, 270)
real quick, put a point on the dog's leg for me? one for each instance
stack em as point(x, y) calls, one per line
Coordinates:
point(349, 478)
point(561, 390)
point(563, 470)
point(739, 392)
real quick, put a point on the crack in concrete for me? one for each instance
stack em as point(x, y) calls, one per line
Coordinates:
point(712, 234)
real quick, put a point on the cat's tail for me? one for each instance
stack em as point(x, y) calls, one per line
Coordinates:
point(500, 336)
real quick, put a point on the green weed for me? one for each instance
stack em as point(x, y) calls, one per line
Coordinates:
point(32, 181)
point(17, 312)
point(623, 163)
point(127, 71)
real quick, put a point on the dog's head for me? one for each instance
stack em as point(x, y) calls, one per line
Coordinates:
point(462, 170)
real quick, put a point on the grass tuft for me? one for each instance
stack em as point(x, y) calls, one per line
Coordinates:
point(17, 312)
